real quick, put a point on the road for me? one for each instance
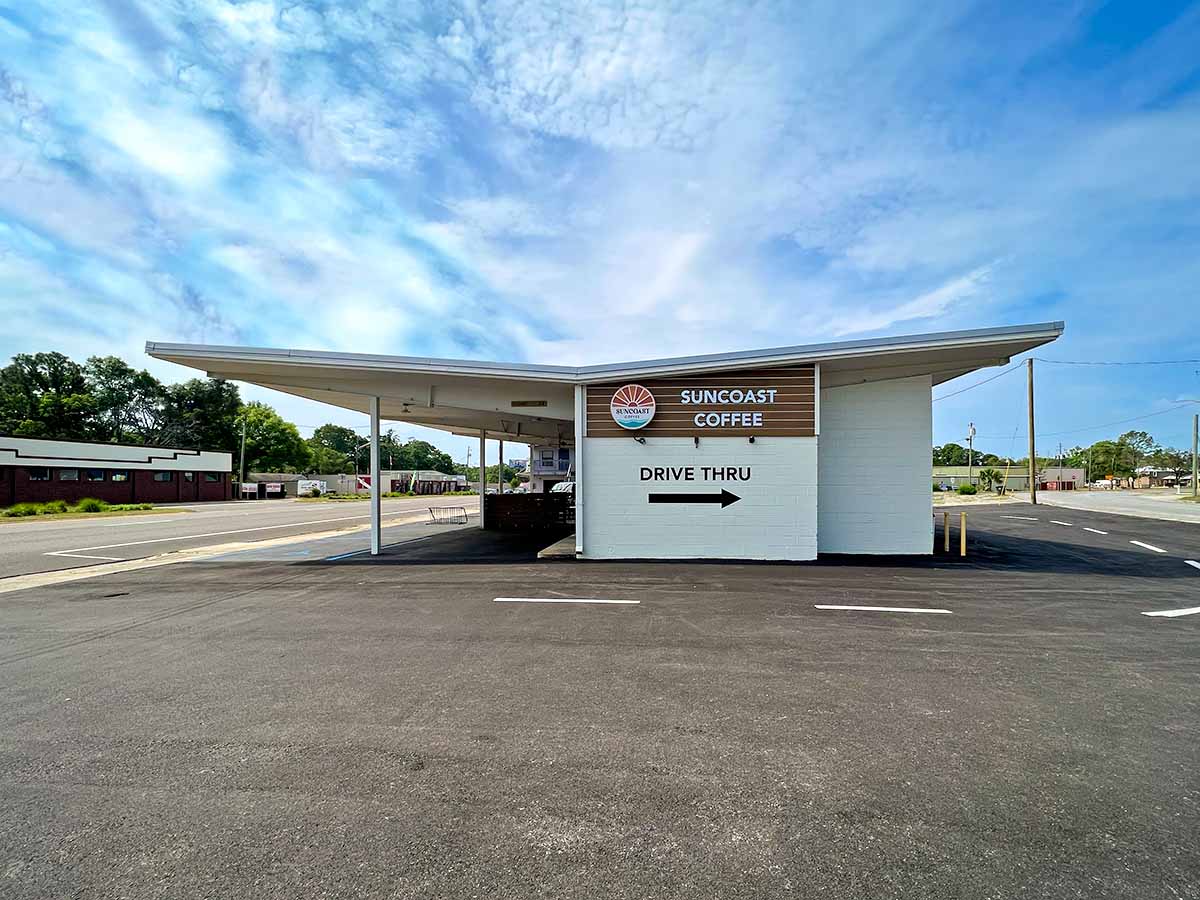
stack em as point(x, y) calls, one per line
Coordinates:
point(28, 545)
point(1145, 504)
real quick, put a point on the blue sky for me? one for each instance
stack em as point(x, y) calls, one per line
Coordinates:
point(591, 182)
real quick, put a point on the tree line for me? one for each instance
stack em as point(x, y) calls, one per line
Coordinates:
point(1119, 458)
point(49, 395)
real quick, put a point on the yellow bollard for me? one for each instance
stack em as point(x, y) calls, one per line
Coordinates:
point(962, 534)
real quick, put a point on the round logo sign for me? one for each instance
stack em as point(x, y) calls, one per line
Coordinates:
point(632, 407)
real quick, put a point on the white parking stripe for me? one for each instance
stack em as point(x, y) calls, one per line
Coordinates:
point(1094, 530)
point(1026, 518)
point(1149, 547)
point(1056, 522)
point(899, 609)
point(1173, 613)
point(1192, 563)
point(558, 600)
point(85, 556)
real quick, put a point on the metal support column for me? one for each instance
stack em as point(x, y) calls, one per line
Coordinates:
point(500, 471)
point(376, 492)
point(580, 431)
point(482, 472)
point(1032, 441)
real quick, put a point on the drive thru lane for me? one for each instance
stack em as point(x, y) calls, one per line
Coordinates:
point(29, 546)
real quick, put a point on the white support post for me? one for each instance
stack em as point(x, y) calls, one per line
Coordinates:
point(482, 472)
point(376, 492)
point(580, 431)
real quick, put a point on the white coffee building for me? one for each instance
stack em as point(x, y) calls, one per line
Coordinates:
point(762, 454)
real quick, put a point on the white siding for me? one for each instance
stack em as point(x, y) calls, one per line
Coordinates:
point(775, 519)
point(874, 468)
point(73, 454)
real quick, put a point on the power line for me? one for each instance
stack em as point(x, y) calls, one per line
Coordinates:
point(977, 384)
point(1042, 434)
point(1151, 362)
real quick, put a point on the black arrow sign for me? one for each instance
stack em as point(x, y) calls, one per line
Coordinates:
point(724, 498)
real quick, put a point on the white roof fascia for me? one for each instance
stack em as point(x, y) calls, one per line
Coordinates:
point(781, 356)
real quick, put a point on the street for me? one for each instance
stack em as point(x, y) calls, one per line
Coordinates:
point(28, 545)
point(1150, 503)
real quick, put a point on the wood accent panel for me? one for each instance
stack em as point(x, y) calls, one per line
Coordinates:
point(792, 414)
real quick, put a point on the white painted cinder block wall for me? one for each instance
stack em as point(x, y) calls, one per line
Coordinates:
point(775, 519)
point(874, 468)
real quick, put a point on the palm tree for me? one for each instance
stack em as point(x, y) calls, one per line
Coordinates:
point(990, 478)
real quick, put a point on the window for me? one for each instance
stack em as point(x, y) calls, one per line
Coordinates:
point(120, 475)
point(564, 453)
point(68, 474)
point(38, 473)
point(94, 475)
point(189, 476)
point(163, 476)
point(212, 476)
point(547, 457)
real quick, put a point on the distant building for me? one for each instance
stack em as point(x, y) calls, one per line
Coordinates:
point(548, 465)
point(517, 465)
point(37, 470)
point(1050, 478)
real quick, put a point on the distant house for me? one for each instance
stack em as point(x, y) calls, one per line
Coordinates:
point(549, 465)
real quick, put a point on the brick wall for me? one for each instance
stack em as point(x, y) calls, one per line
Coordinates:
point(16, 487)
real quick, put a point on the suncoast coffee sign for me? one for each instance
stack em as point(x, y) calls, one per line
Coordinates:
point(728, 397)
point(765, 402)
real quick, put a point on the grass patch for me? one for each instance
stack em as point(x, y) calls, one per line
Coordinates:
point(59, 509)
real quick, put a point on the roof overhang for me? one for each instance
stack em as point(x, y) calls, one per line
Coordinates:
point(536, 403)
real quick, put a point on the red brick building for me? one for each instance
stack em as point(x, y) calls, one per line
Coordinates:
point(36, 470)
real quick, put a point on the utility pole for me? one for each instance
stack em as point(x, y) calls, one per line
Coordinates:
point(1195, 446)
point(1032, 451)
point(970, 453)
point(242, 461)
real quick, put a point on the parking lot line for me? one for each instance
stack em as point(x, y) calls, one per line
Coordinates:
point(1025, 518)
point(1094, 530)
point(898, 609)
point(1149, 547)
point(1173, 613)
point(1192, 563)
point(1056, 522)
point(559, 600)
point(85, 556)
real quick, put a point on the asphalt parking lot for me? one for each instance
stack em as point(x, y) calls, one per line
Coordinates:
point(258, 727)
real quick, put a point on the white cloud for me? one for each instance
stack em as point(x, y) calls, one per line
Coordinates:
point(180, 147)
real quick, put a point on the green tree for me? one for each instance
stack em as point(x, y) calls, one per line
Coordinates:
point(45, 395)
point(1109, 458)
point(418, 454)
point(201, 413)
point(345, 441)
point(127, 405)
point(1139, 445)
point(950, 455)
point(1178, 462)
point(327, 461)
point(272, 444)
